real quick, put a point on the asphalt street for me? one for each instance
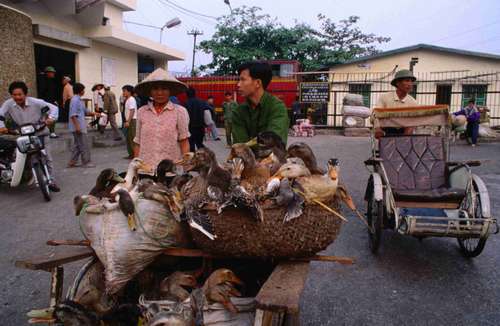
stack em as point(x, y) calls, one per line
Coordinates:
point(408, 283)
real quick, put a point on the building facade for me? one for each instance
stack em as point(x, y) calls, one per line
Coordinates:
point(86, 40)
point(444, 76)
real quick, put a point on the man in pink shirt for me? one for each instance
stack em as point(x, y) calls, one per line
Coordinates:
point(162, 130)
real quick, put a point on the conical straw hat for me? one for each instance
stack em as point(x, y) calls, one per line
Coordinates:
point(160, 77)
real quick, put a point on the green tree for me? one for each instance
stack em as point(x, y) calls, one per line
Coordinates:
point(248, 34)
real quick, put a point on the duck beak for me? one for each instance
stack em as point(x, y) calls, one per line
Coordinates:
point(117, 178)
point(234, 279)
point(277, 175)
point(333, 174)
point(252, 142)
point(46, 315)
point(146, 167)
point(185, 158)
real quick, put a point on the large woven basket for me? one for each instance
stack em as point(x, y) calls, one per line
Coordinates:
point(238, 235)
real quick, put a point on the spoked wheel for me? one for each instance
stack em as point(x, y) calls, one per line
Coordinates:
point(375, 215)
point(43, 181)
point(472, 247)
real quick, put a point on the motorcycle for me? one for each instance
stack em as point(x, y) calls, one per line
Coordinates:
point(30, 149)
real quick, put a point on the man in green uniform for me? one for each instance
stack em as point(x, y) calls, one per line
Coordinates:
point(229, 106)
point(261, 111)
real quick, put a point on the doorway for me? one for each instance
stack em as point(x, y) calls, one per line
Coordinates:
point(443, 94)
point(64, 63)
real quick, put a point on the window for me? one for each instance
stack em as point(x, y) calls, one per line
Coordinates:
point(362, 89)
point(474, 91)
point(443, 94)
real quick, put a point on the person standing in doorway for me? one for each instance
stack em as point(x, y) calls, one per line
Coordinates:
point(67, 94)
point(97, 93)
point(228, 106)
point(78, 127)
point(130, 110)
point(196, 109)
point(111, 109)
point(49, 93)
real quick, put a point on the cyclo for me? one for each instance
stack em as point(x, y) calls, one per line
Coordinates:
point(415, 189)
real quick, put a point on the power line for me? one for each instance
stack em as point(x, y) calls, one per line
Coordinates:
point(191, 11)
point(467, 31)
point(199, 19)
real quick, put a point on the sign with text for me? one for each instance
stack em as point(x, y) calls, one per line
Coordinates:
point(314, 92)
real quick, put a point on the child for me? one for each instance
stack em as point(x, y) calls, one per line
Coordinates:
point(472, 114)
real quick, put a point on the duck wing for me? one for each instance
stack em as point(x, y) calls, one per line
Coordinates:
point(243, 199)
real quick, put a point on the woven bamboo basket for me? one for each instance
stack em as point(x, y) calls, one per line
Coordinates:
point(238, 235)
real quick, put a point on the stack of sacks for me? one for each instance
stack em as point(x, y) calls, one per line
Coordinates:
point(354, 116)
point(303, 128)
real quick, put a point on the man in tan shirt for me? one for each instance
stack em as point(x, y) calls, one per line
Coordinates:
point(403, 81)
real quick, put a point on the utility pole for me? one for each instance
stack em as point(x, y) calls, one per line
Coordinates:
point(195, 33)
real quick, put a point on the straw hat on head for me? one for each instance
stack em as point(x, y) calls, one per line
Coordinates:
point(50, 69)
point(97, 85)
point(403, 74)
point(160, 77)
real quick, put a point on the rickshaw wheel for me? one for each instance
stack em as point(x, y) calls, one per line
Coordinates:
point(375, 215)
point(472, 247)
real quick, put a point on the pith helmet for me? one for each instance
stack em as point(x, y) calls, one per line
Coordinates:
point(402, 74)
point(160, 77)
point(50, 69)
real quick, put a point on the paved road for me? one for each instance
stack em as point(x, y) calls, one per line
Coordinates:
point(408, 283)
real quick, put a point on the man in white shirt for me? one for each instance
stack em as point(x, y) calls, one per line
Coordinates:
point(23, 109)
point(129, 125)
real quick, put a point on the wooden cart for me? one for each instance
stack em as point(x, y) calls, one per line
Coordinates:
point(277, 301)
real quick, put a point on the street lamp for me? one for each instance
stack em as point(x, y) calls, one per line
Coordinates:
point(171, 23)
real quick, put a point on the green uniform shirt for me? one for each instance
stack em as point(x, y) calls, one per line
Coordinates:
point(229, 107)
point(269, 115)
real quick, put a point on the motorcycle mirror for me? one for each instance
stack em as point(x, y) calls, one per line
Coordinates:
point(2, 118)
point(45, 109)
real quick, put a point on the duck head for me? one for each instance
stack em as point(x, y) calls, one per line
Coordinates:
point(72, 313)
point(166, 168)
point(106, 176)
point(182, 279)
point(291, 171)
point(221, 276)
point(244, 152)
point(303, 151)
point(200, 161)
point(333, 168)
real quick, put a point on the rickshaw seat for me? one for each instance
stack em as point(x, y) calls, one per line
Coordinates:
point(416, 168)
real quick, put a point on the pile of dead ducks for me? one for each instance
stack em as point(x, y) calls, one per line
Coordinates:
point(260, 171)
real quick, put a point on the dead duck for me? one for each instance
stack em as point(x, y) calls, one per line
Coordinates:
point(303, 151)
point(312, 187)
point(270, 141)
point(254, 175)
point(165, 172)
point(174, 286)
point(238, 196)
point(284, 196)
point(105, 182)
point(220, 287)
point(127, 206)
point(70, 313)
point(132, 173)
point(218, 180)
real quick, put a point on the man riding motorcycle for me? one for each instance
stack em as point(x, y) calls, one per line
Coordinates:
point(23, 109)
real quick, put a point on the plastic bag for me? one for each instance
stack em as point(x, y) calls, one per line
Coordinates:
point(353, 100)
point(103, 120)
point(351, 122)
point(486, 132)
point(125, 253)
point(356, 111)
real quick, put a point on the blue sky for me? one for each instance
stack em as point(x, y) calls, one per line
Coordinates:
point(466, 24)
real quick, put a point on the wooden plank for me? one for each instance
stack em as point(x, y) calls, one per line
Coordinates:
point(56, 285)
point(282, 290)
point(336, 259)
point(408, 204)
point(60, 257)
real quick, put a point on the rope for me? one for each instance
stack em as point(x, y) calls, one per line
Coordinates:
point(150, 236)
point(82, 212)
point(325, 206)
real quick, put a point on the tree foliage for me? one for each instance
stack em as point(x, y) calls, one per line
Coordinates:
point(248, 34)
